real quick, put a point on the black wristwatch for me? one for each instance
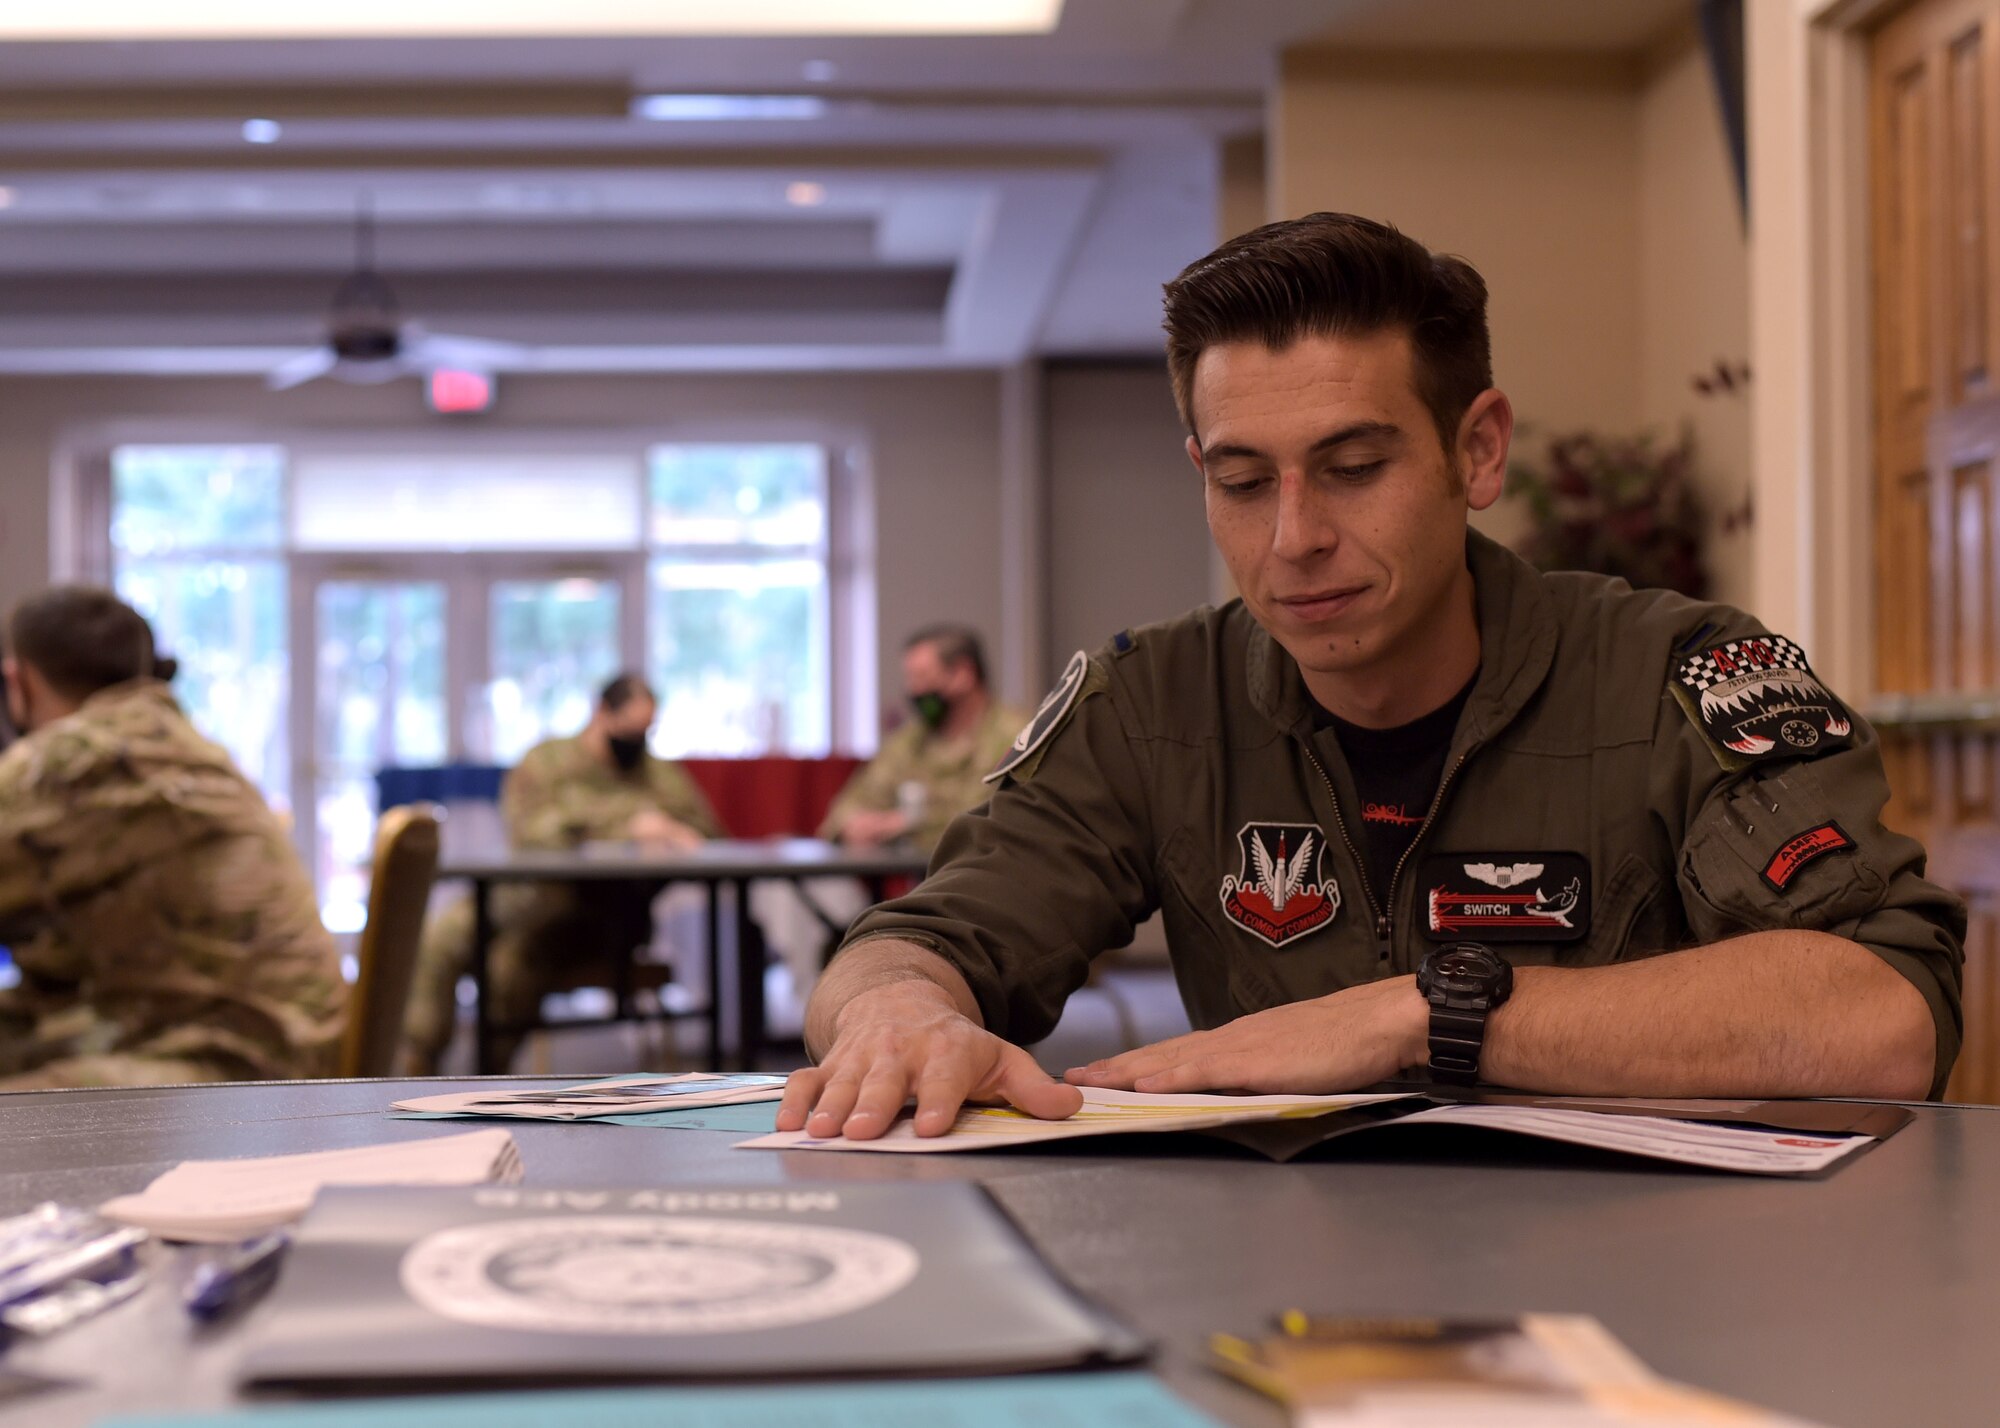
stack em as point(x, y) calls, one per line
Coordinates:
point(1462, 983)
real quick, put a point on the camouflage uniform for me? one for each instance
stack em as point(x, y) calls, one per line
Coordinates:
point(163, 926)
point(949, 770)
point(549, 935)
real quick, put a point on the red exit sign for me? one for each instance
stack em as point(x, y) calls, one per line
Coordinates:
point(453, 391)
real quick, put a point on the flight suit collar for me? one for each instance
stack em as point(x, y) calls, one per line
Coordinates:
point(1517, 642)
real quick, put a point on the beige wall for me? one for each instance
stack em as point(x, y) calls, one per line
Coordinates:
point(1243, 192)
point(1127, 540)
point(1592, 193)
point(932, 438)
point(1694, 294)
point(1528, 171)
point(24, 500)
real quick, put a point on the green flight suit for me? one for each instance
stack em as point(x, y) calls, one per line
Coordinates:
point(1187, 750)
point(951, 773)
point(164, 928)
point(548, 936)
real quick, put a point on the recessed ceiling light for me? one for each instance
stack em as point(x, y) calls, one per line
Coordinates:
point(805, 193)
point(388, 19)
point(818, 71)
point(262, 131)
point(724, 108)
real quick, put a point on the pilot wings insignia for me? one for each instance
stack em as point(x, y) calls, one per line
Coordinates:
point(1493, 875)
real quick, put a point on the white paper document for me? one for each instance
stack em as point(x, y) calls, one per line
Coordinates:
point(1104, 1113)
point(217, 1201)
point(1718, 1147)
point(614, 1096)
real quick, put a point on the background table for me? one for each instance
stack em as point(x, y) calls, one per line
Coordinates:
point(1867, 1300)
point(724, 864)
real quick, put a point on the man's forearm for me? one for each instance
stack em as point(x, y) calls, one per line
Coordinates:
point(1768, 1014)
point(875, 965)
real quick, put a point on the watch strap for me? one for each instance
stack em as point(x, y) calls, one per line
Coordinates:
point(1457, 1035)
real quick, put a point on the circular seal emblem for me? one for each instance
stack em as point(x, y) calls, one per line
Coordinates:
point(1048, 717)
point(1799, 734)
point(635, 1274)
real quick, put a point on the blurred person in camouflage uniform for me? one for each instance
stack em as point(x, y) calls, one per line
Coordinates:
point(602, 785)
point(164, 928)
point(930, 770)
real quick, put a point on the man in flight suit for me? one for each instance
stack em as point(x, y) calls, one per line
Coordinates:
point(602, 785)
point(164, 928)
point(1659, 825)
point(934, 767)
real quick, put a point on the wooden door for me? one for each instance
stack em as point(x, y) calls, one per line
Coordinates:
point(1935, 205)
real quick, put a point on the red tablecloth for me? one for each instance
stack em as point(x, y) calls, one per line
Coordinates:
point(768, 798)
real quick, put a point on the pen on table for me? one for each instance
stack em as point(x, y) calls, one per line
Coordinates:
point(70, 1256)
point(226, 1277)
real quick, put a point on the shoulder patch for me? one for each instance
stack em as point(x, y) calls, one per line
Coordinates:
point(1795, 852)
point(1049, 716)
point(1123, 643)
point(1756, 699)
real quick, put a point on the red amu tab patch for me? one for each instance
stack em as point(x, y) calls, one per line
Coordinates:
point(1795, 853)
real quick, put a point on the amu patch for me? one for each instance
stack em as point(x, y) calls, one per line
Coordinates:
point(1794, 853)
point(1280, 893)
point(1756, 699)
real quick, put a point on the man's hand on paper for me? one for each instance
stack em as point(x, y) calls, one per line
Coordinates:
point(907, 1039)
point(1335, 1043)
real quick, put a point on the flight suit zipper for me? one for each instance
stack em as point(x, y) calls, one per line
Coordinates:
point(1385, 922)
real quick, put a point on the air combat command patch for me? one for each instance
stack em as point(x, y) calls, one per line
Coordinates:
point(1757, 699)
point(1280, 892)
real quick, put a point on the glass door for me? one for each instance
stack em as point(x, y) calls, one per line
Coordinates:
point(378, 698)
point(436, 657)
point(552, 641)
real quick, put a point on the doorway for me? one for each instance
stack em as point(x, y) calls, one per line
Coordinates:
point(424, 658)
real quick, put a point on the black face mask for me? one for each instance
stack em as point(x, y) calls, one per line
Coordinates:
point(932, 709)
point(626, 750)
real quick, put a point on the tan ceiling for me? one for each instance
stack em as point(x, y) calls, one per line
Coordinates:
point(993, 198)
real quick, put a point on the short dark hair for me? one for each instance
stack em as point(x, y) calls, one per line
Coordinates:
point(80, 638)
point(1334, 275)
point(622, 689)
point(954, 644)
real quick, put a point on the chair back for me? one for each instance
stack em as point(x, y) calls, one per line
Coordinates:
point(406, 859)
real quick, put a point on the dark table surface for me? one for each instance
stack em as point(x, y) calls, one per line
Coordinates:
point(1870, 1299)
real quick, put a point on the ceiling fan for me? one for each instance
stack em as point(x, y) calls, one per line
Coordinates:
point(368, 341)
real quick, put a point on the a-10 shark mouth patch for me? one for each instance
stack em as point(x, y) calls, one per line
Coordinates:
point(1505, 897)
point(1756, 698)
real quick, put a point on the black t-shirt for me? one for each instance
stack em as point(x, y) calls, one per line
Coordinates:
point(1396, 772)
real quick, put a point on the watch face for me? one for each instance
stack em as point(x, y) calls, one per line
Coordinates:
point(1464, 970)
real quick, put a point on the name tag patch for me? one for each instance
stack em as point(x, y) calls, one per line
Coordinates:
point(1505, 897)
point(1281, 892)
point(1794, 853)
